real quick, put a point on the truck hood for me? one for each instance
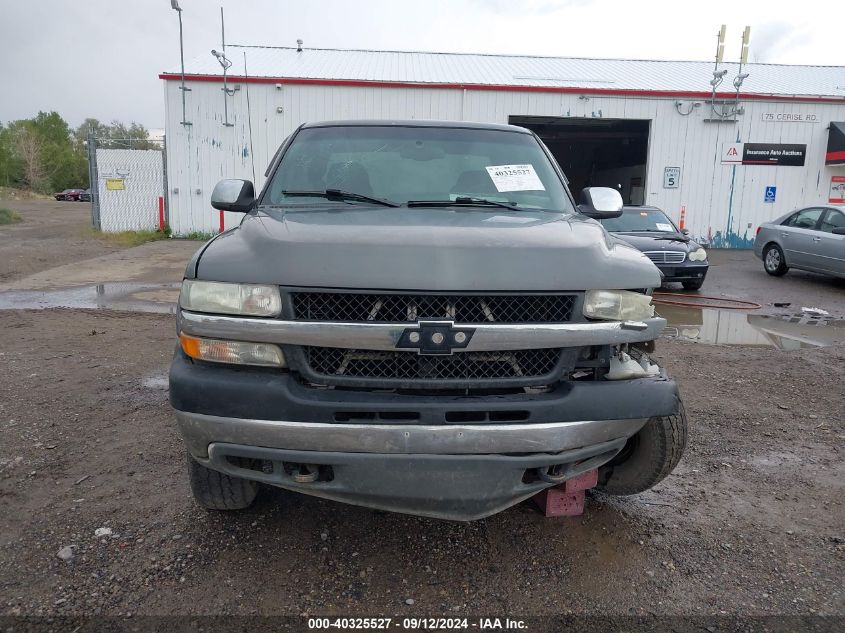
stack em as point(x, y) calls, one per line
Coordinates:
point(436, 249)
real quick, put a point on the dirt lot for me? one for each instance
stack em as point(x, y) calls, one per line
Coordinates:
point(751, 523)
point(52, 233)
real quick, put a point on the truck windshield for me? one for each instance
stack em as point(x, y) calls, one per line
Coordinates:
point(416, 164)
point(640, 220)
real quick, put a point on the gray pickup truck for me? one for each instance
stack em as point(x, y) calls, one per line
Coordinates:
point(418, 317)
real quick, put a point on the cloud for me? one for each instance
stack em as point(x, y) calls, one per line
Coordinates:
point(529, 7)
point(774, 40)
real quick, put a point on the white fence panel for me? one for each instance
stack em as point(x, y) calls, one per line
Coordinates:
point(130, 182)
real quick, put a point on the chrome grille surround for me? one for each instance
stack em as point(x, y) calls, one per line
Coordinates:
point(666, 257)
point(389, 368)
point(460, 308)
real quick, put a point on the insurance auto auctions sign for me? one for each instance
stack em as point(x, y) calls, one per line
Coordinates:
point(782, 154)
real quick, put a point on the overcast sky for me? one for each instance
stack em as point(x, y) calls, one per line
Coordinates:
point(101, 58)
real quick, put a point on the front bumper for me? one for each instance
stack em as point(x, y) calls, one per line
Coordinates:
point(444, 486)
point(406, 455)
point(687, 271)
point(441, 455)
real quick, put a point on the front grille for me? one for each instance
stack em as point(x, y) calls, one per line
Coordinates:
point(399, 308)
point(666, 257)
point(409, 366)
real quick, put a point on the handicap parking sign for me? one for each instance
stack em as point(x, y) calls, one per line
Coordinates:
point(771, 193)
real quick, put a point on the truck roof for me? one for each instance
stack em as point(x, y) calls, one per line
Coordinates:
point(471, 125)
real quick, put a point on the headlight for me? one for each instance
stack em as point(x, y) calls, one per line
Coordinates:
point(225, 298)
point(617, 305)
point(698, 255)
point(234, 352)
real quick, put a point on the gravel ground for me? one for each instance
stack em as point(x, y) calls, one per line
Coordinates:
point(751, 522)
point(52, 233)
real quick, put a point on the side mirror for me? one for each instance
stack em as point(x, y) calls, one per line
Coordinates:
point(600, 203)
point(233, 195)
point(685, 232)
point(839, 230)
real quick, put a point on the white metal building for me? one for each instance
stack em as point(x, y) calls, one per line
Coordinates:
point(650, 128)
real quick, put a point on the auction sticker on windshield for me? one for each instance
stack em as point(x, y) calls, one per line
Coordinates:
point(662, 226)
point(515, 178)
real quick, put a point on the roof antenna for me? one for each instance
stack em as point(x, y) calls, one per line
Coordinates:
point(226, 64)
point(298, 46)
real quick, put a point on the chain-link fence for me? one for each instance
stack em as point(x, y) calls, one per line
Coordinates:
point(128, 184)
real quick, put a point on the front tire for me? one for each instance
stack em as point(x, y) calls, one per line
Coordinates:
point(648, 457)
point(774, 261)
point(214, 490)
point(692, 285)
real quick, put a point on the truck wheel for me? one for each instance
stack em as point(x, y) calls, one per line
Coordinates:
point(215, 491)
point(774, 262)
point(648, 456)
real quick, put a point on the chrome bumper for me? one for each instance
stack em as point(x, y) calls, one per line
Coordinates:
point(200, 430)
point(487, 337)
point(457, 472)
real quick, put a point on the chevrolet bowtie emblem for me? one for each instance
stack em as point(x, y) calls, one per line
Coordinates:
point(435, 338)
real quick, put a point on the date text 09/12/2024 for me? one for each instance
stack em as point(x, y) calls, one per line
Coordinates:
point(416, 624)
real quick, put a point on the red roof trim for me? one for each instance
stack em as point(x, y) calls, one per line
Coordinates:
point(504, 88)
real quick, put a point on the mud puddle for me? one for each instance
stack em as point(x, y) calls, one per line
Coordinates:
point(125, 296)
point(787, 331)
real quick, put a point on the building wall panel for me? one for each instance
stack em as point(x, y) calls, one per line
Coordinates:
point(721, 200)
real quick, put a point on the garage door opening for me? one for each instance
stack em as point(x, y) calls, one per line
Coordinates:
point(596, 152)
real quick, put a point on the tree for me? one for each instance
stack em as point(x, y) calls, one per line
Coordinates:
point(28, 148)
point(9, 168)
point(40, 154)
point(65, 166)
point(44, 154)
point(115, 135)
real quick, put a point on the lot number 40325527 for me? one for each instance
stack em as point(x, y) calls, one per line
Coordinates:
point(671, 177)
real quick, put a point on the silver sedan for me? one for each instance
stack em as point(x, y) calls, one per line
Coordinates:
point(810, 239)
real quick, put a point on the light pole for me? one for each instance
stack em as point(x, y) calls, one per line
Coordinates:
point(174, 4)
point(226, 64)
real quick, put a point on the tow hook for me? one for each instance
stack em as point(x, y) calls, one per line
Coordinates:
point(556, 474)
point(306, 473)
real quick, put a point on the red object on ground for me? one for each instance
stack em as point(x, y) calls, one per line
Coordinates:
point(161, 213)
point(222, 223)
point(567, 499)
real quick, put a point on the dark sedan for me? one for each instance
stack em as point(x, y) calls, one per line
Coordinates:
point(85, 196)
point(68, 194)
point(648, 229)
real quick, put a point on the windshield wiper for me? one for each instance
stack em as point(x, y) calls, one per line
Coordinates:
point(673, 238)
point(340, 194)
point(464, 201)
